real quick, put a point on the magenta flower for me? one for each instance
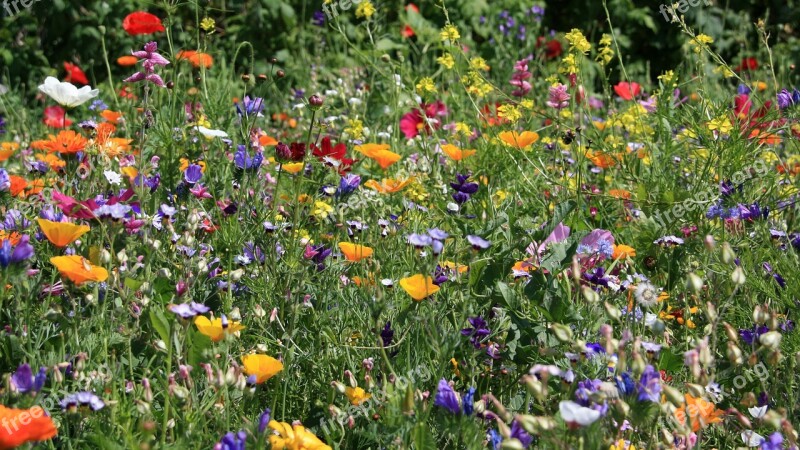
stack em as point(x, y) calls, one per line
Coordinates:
point(519, 77)
point(151, 59)
point(559, 98)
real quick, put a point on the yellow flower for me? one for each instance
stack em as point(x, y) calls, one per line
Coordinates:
point(365, 9)
point(509, 112)
point(446, 60)
point(263, 367)
point(605, 54)
point(721, 124)
point(292, 168)
point(321, 210)
point(207, 24)
point(355, 129)
point(521, 141)
point(215, 329)
point(725, 71)
point(700, 41)
point(419, 286)
point(357, 395)
point(426, 85)
point(449, 33)
point(455, 153)
point(61, 234)
point(478, 63)
point(293, 437)
point(578, 41)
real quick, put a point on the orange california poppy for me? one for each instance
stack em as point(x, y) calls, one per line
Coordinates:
point(620, 193)
point(78, 269)
point(215, 329)
point(18, 185)
point(25, 425)
point(67, 141)
point(355, 252)
point(127, 60)
point(263, 367)
point(455, 153)
point(7, 149)
point(622, 251)
point(379, 153)
point(267, 141)
point(356, 395)
point(519, 140)
point(701, 413)
point(61, 234)
point(111, 116)
point(602, 160)
point(293, 168)
point(765, 138)
point(419, 286)
point(388, 185)
point(201, 60)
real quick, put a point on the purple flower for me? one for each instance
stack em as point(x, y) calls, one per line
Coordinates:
point(784, 99)
point(24, 381)
point(193, 173)
point(244, 161)
point(478, 332)
point(387, 334)
point(478, 243)
point(347, 185)
point(22, 251)
point(773, 442)
point(151, 59)
point(464, 189)
point(750, 336)
point(519, 78)
point(438, 234)
point(447, 398)
point(232, 441)
point(318, 18)
point(668, 241)
point(419, 240)
point(520, 434)
point(649, 386)
point(80, 399)
point(2, 124)
point(189, 310)
point(5, 181)
point(263, 420)
point(252, 106)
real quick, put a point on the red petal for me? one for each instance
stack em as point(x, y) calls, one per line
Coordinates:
point(75, 74)
point(54, 117)
point(141, 22)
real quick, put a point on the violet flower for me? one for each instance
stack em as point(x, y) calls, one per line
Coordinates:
point(151, 59)
point(447, 398)
point(559, 98)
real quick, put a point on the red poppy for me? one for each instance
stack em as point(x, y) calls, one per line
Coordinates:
point(747, 64)
point(333, 155)
point(54, 117)
point(742, 104)
point(141, 22)
point(627, 91)
point(407, 30)
point(552, 48)
point(412, 123)
point(75, 74)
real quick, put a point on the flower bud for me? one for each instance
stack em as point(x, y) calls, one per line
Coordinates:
point(694, 282)
point(711, 312)
point(734, 354)
point(622, 408)
point(727, 253)
point(315, 101)
point(563, 332)
point(612, 311)
point(709, 242)
point(733, 336)
point(673, 395)
point(512, 444)
point(737, 276)
point(770, 339)
point(590, 295)
point(340, 388)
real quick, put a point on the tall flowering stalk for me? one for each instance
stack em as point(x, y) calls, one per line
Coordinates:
point(150, 59)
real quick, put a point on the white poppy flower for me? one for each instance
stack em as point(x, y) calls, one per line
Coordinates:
point(113, 177)
point(757, 412)
point(752, 439)
point(573, 413)
point(66, 94)
point(209, 133)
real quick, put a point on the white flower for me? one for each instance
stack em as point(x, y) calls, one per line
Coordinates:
point(211, 133)
point(646, 295)
point(752, 439)
point(66, 94)
point(3, 89)
point(113, 177)
point(573, 413)
point(757, 412)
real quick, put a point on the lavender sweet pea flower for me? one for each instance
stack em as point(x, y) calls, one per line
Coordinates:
point(22, 379)
point(419, 240)
point(784, 99)
point(446, 397)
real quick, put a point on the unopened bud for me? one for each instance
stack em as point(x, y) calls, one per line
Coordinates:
point(734, 354)
point(731, 332)
point(694, 282)
point(770, 339)
point(563, 332)
point(727, 253)
point(612, 311)
point(738, 276)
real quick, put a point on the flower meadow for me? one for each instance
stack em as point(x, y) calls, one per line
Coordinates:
point(403, 236)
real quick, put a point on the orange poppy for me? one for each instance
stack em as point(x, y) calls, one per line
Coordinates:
point(67, 141)
point(267, 141)
point(701, 413)
point(623, 252)
point(61, 234)
point(197, 59)
point(388, 185)
point(214, 329)
point(127, 60)
point(455, 153)
point(25, 425)
point(519, 140)
point(18, 185)
point(111, 116)
point(765, 138)
point(620, 193)
point(13, 238)
point(7, 149)
point(293, 168)
point(380, 153)
point(419, 286)
point(263, 367)
point(601, 159)
point(54, 162)
point(78, 269)
point(355, 252)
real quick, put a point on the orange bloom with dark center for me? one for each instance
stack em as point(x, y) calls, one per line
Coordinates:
point(141, 22)
point(24, 425)
point(78, 269)
point(61, 234)
point(67, 141)
point(355, 252)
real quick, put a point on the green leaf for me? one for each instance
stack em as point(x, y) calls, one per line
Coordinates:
point(422, 437)
point(161, 324)
point(133, 284)
point(198, 344)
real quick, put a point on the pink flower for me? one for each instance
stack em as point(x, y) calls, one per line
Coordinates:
point(411, 124)
point(519, 77)
point(559, 98)
point(627, 91)
point(151, 59)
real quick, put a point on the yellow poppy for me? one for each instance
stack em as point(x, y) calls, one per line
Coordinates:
point(214, 328)
point(61, 234)
point(519, 140)
point(293, 437)
point(419, 286)
point(455, 153)
point(78, 269)
point(356, 395)
point(292, 168)
point(355, 252)
point(263, 367)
